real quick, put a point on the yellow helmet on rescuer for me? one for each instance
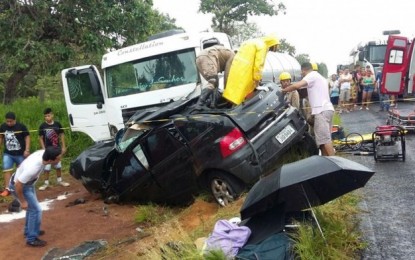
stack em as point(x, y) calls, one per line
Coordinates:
point(285, 75)
point(315, 66)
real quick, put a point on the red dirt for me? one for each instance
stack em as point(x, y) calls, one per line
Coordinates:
point(68, 226)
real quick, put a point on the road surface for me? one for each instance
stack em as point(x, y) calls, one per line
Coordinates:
point(388, 216)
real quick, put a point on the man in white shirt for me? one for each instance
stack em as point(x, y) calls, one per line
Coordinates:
point(22, 185)
point(321, 107)
point(345, 81)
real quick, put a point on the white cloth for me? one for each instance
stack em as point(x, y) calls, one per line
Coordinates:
point(30, 168)
point(345, 85)
point(318, 93)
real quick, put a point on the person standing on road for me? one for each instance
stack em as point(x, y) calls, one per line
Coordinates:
point(210, 62)
point(22, 185)
point(246, 69)
point(16, 139)
point(345, 80)
point(383, 98)
point(51, 134)
point(321, 107)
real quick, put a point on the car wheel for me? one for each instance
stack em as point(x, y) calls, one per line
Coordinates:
point(225, 188)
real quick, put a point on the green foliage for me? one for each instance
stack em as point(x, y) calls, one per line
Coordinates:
point(339, 225)
point(322, 69)
point(285, 47)
point(152, 214)
point(227, 13)
point(245, 31)
point(301, 58)
point(42, 37)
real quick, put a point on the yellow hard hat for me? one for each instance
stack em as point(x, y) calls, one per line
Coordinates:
point(285, 75)
point(315, 66)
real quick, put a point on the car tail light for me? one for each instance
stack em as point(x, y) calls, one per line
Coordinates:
point(232, 142)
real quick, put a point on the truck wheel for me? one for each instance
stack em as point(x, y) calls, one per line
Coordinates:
point(225, 188)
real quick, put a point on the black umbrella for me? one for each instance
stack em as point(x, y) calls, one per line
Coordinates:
point(305, 183)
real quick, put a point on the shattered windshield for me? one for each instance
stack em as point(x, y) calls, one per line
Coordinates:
point(153, 73)
point(125, 137)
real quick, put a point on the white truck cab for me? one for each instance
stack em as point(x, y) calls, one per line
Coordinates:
point(148, 74)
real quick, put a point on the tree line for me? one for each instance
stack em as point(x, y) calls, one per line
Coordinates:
point(42, 37)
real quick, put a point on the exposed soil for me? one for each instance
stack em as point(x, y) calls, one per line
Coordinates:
point(68, 226)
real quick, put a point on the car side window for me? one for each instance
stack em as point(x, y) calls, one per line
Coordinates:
point(161, 145)
point(139, 153)
point(191, 130)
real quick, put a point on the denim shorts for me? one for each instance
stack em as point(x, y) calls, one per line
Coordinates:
point(10, 160)
point(368, 89)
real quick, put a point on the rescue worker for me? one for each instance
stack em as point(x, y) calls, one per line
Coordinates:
point(210, 62)
point(314, 66)
point(321, 107)
point(293, 98)
point(246, 70)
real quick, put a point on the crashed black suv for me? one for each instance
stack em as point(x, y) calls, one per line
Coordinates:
point(168, 155)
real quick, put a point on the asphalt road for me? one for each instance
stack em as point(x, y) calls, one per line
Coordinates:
point(388, 206)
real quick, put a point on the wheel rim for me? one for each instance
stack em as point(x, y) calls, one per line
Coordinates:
point(221, 191)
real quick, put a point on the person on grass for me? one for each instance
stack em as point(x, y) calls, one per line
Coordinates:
point(51, 134)
point(16, 140)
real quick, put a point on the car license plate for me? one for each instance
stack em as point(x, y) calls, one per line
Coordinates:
point(285, 134)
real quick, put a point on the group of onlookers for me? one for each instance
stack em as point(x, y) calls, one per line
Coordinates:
point(351, 91)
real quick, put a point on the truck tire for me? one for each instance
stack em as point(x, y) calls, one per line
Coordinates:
point(224, 187)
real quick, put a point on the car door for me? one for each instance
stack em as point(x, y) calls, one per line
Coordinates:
point(131, 177)
point(171, 165)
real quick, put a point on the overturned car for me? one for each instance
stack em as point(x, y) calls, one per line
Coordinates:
point(170, 154)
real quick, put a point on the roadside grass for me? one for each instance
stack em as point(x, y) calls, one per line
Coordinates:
point(152, 214)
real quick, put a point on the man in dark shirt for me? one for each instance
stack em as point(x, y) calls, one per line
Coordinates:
point(51, 134)
point(16, 140)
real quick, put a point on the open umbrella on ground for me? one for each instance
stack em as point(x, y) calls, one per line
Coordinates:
point(304, 184)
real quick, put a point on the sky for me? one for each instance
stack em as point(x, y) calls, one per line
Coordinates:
point(327, 30)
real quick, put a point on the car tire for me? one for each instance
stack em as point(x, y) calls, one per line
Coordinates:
point(225, 188)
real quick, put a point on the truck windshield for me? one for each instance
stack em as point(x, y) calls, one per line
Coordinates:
point(376, 54)
point(153, 73)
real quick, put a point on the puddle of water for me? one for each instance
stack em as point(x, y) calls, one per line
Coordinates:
point(6, 217)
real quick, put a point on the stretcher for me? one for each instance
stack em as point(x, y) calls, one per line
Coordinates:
point(404, 118)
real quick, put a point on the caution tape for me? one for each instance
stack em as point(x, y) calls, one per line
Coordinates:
point(218, 115)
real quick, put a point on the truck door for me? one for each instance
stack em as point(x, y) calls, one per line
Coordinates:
point(411, 71)
point(395, 66)
point(82, 87)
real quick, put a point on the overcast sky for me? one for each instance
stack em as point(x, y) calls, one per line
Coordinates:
point(327, 30)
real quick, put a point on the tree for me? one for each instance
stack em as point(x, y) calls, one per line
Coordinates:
point(286, 47)
point(227, 13)
point(322, 69)
point(301, 58)
point(245, 31)
point(44, 36)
